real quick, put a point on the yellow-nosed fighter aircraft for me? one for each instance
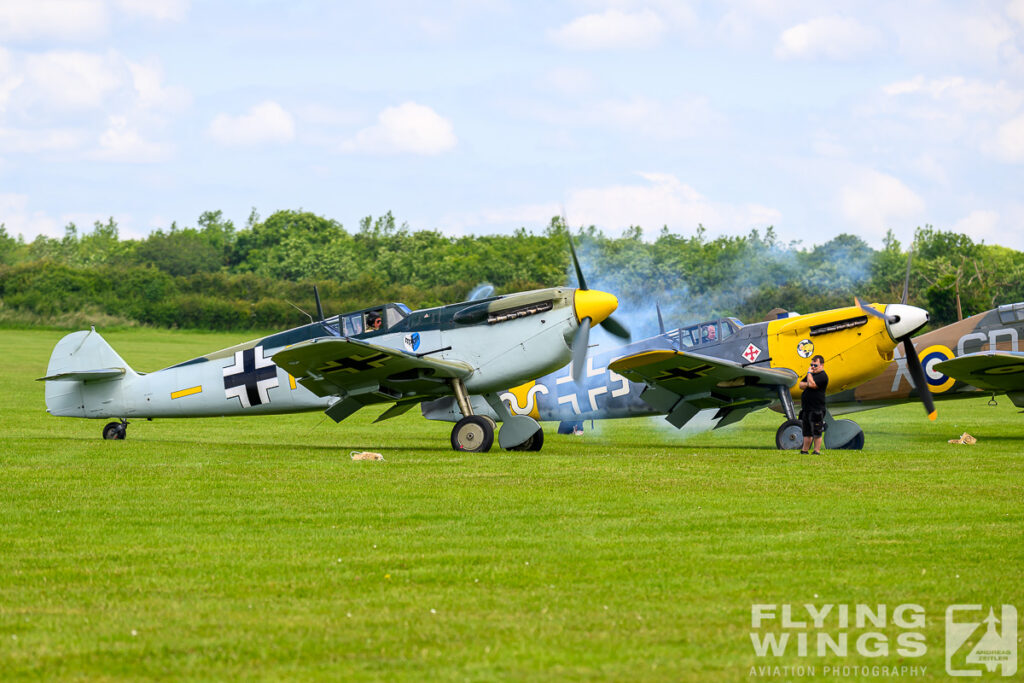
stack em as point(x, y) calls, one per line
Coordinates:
point(386, 354)
point(978, 355)
point(723, 370)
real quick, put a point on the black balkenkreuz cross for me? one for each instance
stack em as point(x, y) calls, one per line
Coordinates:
point(250, 377)
point(685, 373)
point(354, 363)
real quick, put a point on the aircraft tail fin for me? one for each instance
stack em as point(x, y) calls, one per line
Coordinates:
point(79, 358)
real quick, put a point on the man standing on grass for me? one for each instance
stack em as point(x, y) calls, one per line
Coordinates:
point(812, 404)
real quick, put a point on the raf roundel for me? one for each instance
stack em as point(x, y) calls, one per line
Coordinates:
point(937, 381)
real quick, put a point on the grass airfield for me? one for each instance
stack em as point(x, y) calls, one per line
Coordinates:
point(255, 548)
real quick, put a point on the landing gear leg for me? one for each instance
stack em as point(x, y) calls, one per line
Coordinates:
point(473, 433)
point(115, 430)
point(790, 436)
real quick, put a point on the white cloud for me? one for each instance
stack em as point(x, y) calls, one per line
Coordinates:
point(33, 141)
point(161, 10)
point(10, 80)
point(837, 38)
point(73, 79)
point(265, 123)
point(52, 19)
point(612, 29)
point(664, 200)
point(953, 34)
point(152, 93)
point(966, 95)
point(981, 225)
point(1009, 141)
point(62, 83)
point(408, 128)
point(1015, 10)
point(19, 220)
point(873, 201)
point(530, 216)
point(122, 142)
point(77, 20)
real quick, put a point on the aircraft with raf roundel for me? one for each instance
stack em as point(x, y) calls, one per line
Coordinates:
point(976, 356)
point(385, 354)
point(722, 370)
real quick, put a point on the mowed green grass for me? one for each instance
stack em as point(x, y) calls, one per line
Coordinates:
point(256, 548)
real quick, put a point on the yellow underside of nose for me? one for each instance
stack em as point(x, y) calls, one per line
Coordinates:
point(594, 304)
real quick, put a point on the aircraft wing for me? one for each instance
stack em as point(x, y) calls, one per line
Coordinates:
point(360, 373)
point(681, 384)
point(987, 370)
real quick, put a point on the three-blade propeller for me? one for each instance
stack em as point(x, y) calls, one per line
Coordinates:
point(582, 338)
point(913, 361)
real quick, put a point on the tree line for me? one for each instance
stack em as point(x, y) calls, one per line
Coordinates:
point(219, 277)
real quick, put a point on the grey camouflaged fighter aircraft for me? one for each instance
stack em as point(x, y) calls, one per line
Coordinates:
point(975, 356)
point(722, 370)
point(384, 354)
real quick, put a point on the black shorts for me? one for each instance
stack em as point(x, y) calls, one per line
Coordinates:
point(812, 422)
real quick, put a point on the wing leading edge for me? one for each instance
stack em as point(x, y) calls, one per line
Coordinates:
point(360, 374)
point(681, 384)
point(988, 370)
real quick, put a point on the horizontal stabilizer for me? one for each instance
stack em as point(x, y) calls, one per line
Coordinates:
point(85, 375)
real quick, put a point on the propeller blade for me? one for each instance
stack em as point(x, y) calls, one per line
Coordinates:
point(867, 309)
point(661, 321)
point(319, 308)
point(576, 262)
point(615, 327)
point(481, 291)
point(579, 350)
point(906, 279)
point(920, 381)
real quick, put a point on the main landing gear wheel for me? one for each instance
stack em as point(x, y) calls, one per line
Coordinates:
point(790, 436)
point(115, 430)
point(534, 443)
point(473, 433)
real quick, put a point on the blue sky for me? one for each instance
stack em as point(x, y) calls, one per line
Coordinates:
point(481, 117)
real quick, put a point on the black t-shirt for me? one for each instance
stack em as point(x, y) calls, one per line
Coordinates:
point(814, 399)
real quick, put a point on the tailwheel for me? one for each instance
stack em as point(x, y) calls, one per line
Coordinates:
point(790, 436)
point(473, 433)
point(534, 443)
point(115, 430)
